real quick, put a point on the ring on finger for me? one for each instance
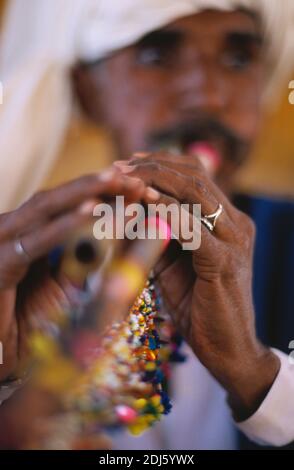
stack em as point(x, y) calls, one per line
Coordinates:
point(210, 220)
point(21, 252)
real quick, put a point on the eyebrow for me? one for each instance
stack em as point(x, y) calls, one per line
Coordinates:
point(173, 37)
point(161, 37)
point(245, 39)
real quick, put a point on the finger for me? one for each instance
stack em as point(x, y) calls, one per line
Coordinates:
point(191, 161)
point(201, 155)
point(133, 189)
point(178, 165)
point(47, 204)
point(185, 188)
point(44, 239)
point(173, 252)
point(186, 228)
point(168, 279)
point(39, 242)
point(186, 160)
point(185, 164)
point(46, 303)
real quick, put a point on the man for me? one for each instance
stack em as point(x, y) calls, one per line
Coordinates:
point(172, 75)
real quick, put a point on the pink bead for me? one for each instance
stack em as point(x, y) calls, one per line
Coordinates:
point(125, 413)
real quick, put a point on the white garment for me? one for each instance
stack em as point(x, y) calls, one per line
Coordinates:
point(273, 423)
point(201, 419)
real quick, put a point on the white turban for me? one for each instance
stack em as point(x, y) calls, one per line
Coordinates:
point(42, 39)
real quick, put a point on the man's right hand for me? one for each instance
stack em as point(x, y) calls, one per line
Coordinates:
point(42, 223)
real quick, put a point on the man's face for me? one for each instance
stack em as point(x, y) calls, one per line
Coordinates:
point(198, 79)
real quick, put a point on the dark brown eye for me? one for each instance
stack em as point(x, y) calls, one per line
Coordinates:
point(238, 60)
point(150, 56)
point(158, 48)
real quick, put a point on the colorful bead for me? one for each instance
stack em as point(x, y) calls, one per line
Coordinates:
point(116, 382)
point(126, 414)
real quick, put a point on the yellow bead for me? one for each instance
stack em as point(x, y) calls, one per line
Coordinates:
point(149, 419)
point(150, 366)
point(155, 400)
point(140, 403)
point(136, 430)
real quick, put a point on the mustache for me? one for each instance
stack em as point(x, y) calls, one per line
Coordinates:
point(198, 130)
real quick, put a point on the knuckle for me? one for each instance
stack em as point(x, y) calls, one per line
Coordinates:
point(199, 185)
point(147, 171)
point(187, 194)
point(138, 170)
point(251, 228)
point(137, 167)
point(39, 201)
point(198, 167)
point(5, 220)
point(234, 259)
point(153, 166)
point(247, 224)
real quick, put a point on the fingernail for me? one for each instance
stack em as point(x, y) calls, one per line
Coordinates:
point(141, 154)
point(120, 163)
point(133, 182)
point(87, 207)
point(106, 175)
point(152, 194)
point(127, 169)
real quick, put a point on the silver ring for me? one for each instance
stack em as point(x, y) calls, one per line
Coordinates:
point(21, 252)
point(210, 220)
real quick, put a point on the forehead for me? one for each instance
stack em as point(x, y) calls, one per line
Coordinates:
point(210, 23)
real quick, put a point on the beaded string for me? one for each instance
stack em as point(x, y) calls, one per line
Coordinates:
point(118, 382)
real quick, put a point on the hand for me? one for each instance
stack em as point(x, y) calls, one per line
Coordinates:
point(42, 223)
point(209, 291)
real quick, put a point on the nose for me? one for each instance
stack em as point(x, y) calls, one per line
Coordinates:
point(200, 87)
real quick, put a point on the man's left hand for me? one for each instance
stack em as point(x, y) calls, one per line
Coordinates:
point(209, 290)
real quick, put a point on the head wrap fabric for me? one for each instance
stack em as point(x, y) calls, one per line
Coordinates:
point(42, 39)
